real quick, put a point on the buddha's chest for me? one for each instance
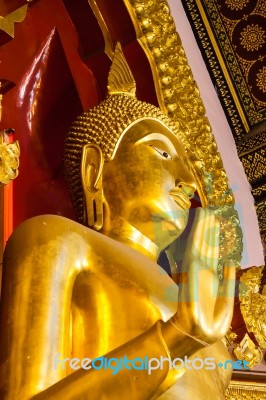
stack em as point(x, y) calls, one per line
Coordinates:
point(109, 308)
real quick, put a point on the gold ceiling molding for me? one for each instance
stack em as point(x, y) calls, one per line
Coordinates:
point(178, 96)
point(246, 391)
point(252, 153)
point(7, 23)
point(261, 213)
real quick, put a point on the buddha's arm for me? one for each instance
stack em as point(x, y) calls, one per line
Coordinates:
point(42, 260)
point(38, 275)
point(128, 383)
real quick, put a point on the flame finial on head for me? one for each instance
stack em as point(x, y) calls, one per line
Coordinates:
point(120, 79)
point(105, 124)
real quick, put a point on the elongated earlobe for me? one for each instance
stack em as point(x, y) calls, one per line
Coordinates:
point(91, 176)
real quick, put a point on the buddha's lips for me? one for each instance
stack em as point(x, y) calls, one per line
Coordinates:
point(180, 199)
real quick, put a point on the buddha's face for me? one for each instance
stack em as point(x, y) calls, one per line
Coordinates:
point(148, 183)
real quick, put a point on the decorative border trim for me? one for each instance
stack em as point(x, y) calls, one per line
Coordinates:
point(246, 391)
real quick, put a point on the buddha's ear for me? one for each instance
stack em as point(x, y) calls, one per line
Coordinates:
point(91, 177)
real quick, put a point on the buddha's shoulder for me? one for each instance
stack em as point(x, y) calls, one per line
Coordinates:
point(61, 241)
point(66, 236)
point(48, 226)
point(56, 229)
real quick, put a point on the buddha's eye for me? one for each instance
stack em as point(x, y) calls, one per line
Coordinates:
point(163, 153)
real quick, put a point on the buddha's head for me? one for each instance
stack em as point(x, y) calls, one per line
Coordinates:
point(125, 164)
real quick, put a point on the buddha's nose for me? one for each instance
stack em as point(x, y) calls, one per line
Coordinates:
point(188, 188)
point(187, 183)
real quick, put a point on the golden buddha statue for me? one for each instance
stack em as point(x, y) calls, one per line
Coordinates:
point(73, 292)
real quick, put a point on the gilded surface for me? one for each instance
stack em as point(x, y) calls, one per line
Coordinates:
point(253, 304)
point(248, 351)
point(9, 155)
point(246, 391)
point(102, 293)
point(120, 79)
point(178, 96)
point(230, 337)
point(7, 23)
point(9, 161)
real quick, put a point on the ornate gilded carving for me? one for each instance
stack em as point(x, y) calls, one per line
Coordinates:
point(7, 23)
point(230, 337)
point(253, 304)
point(248, 351)
point(9, 155)
point(246, 391)
point(9, 160)
point(178, 96)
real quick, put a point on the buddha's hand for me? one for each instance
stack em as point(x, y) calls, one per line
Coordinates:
point(205, 305)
